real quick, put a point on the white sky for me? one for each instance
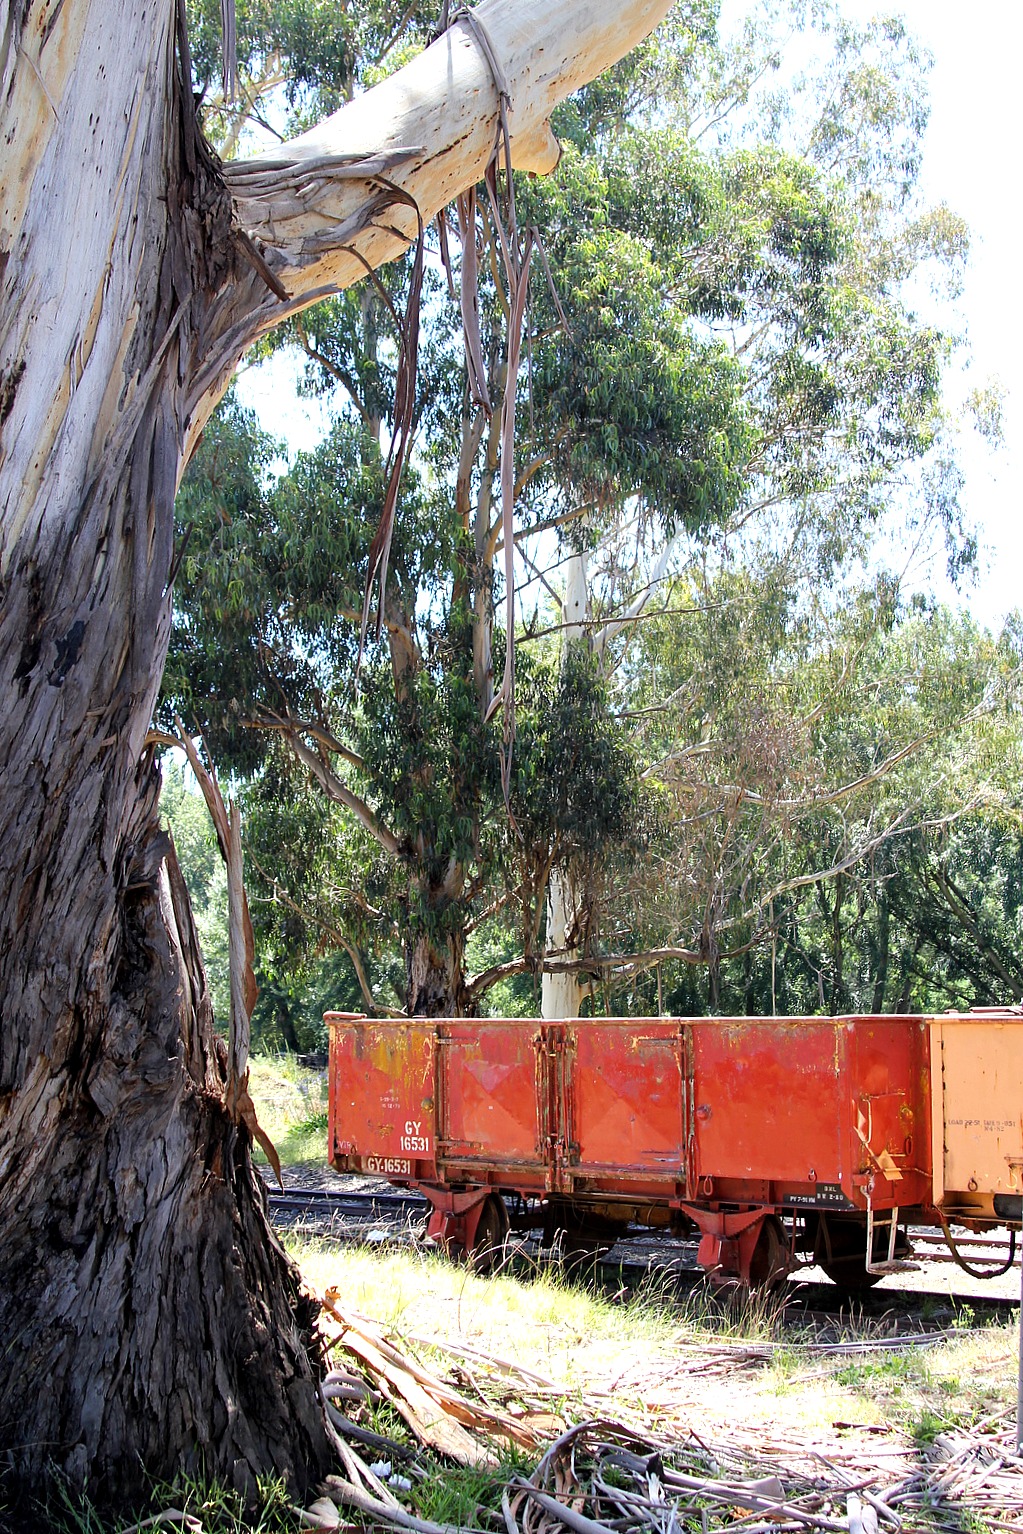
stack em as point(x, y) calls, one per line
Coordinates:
point(971, 161)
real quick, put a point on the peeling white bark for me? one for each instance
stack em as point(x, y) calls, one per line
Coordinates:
point(562, 993)
point(445, 104)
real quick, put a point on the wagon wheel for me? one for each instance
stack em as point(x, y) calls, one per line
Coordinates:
point(487, 1254)
point(850, 1272)
point(769, 1263)
point(841, 1250)
point(572, 1239)
point(577, 1252)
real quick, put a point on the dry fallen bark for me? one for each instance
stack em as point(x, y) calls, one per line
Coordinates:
point(439, 1416)
point(602, 1478)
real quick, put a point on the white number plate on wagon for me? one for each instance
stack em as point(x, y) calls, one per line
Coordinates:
point(387, 1166)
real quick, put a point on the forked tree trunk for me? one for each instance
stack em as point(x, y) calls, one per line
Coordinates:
point(148, 1320)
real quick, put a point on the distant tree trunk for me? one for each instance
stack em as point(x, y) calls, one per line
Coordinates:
point(562, 992)
point(884, 923)
point(837, 950)
point(435, 976)
point(148, 1320)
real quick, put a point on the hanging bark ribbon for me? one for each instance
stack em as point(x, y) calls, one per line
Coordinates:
point(516, 255)
point(515, 259)
point(518, 285)
point(469, 301)
point(229, 29)
point(401, 436)
point(241, 951)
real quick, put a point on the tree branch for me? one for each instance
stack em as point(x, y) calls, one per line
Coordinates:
point(288, 726)
point(431, 126)
point(620, 966)
point(339, 792)
point(340, 374)
point(281, 895)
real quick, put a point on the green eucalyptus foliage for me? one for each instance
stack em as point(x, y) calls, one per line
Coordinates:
point(740, 371)
point(297, 60)
point(575, 776)
point(845, 819)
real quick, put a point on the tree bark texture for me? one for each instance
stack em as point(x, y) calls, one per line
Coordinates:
point(148, 1319)
point(435, 976)
point(562, 991)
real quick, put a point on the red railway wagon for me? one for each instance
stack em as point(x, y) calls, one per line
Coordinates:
point(773, 1137)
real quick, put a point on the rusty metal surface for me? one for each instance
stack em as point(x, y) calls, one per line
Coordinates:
point(825, 1110)
point(381, 1117)
point(625, 1110)
point(794, 1113)
point(487, 1104)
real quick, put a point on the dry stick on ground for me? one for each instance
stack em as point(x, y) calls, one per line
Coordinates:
point(437, 1414)
point(983, 1475)
point(603, 1477)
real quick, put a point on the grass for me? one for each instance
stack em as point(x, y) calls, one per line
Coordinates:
point(204, 1504)
point(291, 1105)
point(881, 1372)
point(644, 1353)
point(541, 1313)
point(465, 1495)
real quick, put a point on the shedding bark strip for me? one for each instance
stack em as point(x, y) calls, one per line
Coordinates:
point(469, 301)
point(241, 952)
point(401, 436)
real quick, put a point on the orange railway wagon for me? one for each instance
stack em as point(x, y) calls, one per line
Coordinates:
point(772, 1137)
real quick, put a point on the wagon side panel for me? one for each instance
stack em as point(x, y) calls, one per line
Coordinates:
point(492, 1098)
point(890, 1113)
point(977, 1086)
point(769, 1110)
point(624, 1101)
point(382, 1109)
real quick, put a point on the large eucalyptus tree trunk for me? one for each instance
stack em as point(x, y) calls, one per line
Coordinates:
point(148, 1319)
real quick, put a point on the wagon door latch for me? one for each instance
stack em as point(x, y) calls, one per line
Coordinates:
point(555, 1099)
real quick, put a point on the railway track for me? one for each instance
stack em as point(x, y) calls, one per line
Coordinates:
point(323, 1207)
